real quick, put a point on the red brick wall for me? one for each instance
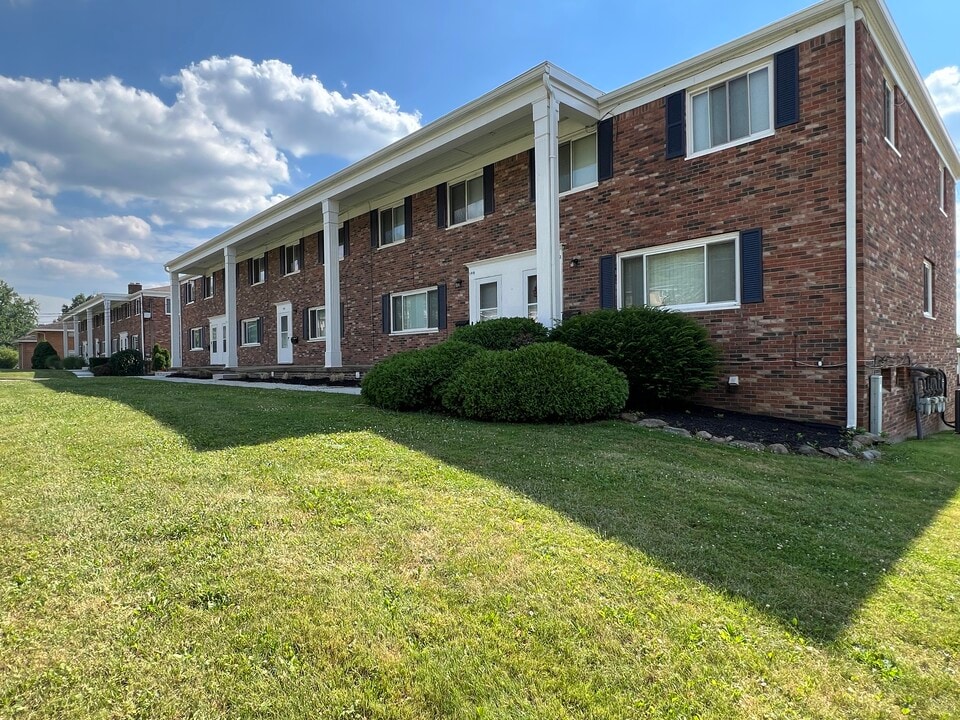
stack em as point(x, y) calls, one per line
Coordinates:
point(156, 328)
point(900, 225)
point(791, 186)
point(198, 314)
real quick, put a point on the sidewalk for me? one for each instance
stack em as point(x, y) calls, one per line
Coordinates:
point(259, 385)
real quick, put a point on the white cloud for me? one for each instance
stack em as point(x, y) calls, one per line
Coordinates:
point(944, 86)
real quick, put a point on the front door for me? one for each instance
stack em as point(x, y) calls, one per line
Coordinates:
point(218, 340)
point(284, 328)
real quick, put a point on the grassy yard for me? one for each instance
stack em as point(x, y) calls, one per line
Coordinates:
point(174, 551)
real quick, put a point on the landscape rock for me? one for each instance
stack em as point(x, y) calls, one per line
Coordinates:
point(721, 440)
point(629, 417)
point(870, 455)
point(745, 445)
point(856, 446)
point(831, 451)
point(867, 439)
point(652, 423)
point(677, 431)
point(846, 455)
point(807, 450)
point(704, 435)
point(778, 449)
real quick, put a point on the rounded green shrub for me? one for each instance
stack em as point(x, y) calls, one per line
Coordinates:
point(101, 369)
point(95, 361)
point(415, 379)
point(502, 333)
point(666, 356)
point(41, 352)
point(8, 358)
point(72, 362)
point(542, 382)
point(160, 358)
point(126, 362)
point(53, 362)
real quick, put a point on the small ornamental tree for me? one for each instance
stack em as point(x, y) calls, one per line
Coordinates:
point(160, 358)
point(41, 353)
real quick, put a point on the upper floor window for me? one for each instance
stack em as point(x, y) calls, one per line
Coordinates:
point(927, 289)
point(943, 189)
point(166, 306)
point(889, 112)
point(578, 163)
point(466, 200)
point(415, 311)
point(291, 258)
point(700, 274)
point(392, 225)
point(137, 306)
point(736, 110)
point(258, 270)
point(188, 290)
point(208, 286)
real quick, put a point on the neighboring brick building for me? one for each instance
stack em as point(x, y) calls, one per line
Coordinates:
point(108, 322)
point(59, 335)
point(717, 187)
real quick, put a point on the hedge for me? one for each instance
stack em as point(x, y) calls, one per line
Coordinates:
point(502, 333)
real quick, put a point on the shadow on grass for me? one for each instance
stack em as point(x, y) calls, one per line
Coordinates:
point(803, 540)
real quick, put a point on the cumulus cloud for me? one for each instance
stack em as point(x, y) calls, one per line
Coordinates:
point(944, 86)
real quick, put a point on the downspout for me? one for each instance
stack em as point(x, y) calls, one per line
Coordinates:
point(556, 261)
point(850, 48)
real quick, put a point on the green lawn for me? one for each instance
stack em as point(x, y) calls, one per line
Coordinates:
point(185, 551)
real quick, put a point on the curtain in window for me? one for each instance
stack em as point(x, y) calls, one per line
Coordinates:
point(676, 278)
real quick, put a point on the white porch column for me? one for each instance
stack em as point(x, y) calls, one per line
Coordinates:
point(230, 303)
point(176, 359)
point(331, 281)
point(76, 337)
point(89, 333)
point(107, 331)
point(546, 120)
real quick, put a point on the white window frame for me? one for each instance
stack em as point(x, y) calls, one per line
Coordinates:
point(341, 245)
point(526, 294)
point(943, 188)
point(310, 323)
point(392, 210)
point(208, 282)
point(123, 342)
point(490, 280)
point(259, 270)
point(135, 342)
point(465, 181)
point(191, 291)
point(928, 284)
point(569, 143)
point(137, 307)
point(890, 111)
point(725, 80)
point(284, 262)
point(408, 293)
point(166, 305)
point(685, 245)
point(244, 324)
point(195, 334)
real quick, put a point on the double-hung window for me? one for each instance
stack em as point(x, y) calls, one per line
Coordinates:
point(943, 189)
point(466, 200)
point(889, 113)
point(736, 110)
point(208, 286)
point(927, 289)
point(166, 306)
point(392, 225)
point(578, 163)
point(196, 338)
point(291, 258)
point(316, 323)
point(258, 270)
point(138, 305)
point(415, 311)
point(188, 291)
point(250, 331)
point(695, 275)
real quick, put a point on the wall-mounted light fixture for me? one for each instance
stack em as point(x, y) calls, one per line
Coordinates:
point(575, 262)
point(458, 283)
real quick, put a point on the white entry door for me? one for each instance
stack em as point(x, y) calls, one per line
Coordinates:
point(503, 287)
point(284, 330)
point(218, 340)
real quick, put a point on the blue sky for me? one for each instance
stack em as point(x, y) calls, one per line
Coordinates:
point(133, 130)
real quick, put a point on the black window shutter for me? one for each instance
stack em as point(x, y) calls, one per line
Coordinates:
point(786, 71)
point(676, 132)
point(532, 163)
point(751, 266)
point(605, 149)
point(260, 330)
point(608, 282)
point(306, 324)
point(374, 228)
point(320, 248)
point(442, 205)
point(265, 271)
point(488, 200)
point(303, 257)
point(343, 326)
point(240, 339)
point(442, 306)
point(345, 237)
point(408, 217)
point(385, 309)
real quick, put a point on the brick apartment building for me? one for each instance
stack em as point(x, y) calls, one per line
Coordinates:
point(793, 190)
point(108, 322)
point(59, 335)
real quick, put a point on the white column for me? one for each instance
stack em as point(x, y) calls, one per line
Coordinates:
point(546, 120)
point(76, 337)
point(107, 331)
point(89, 333)
point(176, 360)
point(230, 303)
point(331, 281)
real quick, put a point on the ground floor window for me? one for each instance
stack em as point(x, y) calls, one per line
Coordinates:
point(316, 323)
point(135, 342)
point(417, 310)
point(700, 274)
point(251, 331)
point(196, 338)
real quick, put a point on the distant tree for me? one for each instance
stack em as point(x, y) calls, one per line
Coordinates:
point(18, 315)
point(78, 299)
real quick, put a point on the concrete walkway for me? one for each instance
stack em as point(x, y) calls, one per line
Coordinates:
point(260, 385)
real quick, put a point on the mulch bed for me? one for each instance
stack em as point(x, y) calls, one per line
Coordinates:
point(753, 428)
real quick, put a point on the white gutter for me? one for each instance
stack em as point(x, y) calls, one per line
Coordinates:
point(850, 90)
